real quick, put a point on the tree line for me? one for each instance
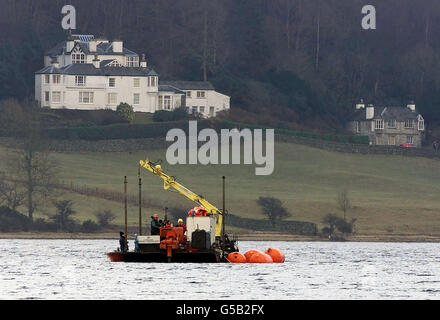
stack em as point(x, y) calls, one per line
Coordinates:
point(284, 62)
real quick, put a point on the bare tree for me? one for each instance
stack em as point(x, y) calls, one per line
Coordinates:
point(344, 202)
point(31, 162)
point(10, 193)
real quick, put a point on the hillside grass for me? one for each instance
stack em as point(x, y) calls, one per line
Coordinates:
point(390, 194)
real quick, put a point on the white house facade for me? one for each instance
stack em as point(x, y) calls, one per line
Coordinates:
point(90, 73)
point(200, 97)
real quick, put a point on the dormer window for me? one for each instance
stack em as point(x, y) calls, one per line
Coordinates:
point(421, 125)
point(78, 58)
point(132, 61)
point(378, 124)
point(114, 63)
point(391, 124)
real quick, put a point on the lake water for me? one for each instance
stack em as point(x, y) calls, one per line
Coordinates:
point(79, 269)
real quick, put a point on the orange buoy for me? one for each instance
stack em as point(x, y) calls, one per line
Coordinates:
point(260, 257)
point(250, 253)
point(236, 257)
point(277, 255)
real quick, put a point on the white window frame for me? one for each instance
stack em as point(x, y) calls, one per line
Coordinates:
point(136, 98)
point(202, 109)
point(194, 109)
point(56, 78)
point(79, 83)
point(410, 139)
point(78, 58)
point(212, 111)
point(112, 98)
point(132, 61)
point(56, 96)
point(136, 82)
point(47, 78)
point(82, 97)
point(167, 102)
point(378, 124)
point(110, 82)
point(160, 102)
point(357, 126)
point(421, 125)
point(409, 124)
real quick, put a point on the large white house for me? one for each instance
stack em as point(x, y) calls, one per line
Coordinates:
point(91, 73)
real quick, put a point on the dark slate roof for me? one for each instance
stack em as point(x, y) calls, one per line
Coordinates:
point(189, 85)
point(103, 63)
point(167, 88)
point(49, 70)
point(104, 48)
point(387, 113)
point(88, 69)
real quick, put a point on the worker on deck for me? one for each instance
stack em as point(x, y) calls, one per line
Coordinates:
point(155, 225)
point(181, 224)
point(122, 241)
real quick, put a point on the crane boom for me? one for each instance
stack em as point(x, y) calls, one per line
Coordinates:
point(170, 182)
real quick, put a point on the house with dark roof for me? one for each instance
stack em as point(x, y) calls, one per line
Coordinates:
point(200, 96)
point(388, 125)
point(84, 72)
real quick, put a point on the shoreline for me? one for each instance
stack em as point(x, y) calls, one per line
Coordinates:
point(255, 236)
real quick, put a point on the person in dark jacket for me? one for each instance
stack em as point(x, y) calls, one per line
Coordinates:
point(122, 241)
point(155, 225)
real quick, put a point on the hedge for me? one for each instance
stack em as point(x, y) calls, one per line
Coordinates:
point(160, 129)
point(120, 131)
point(304, 134)
point(295, 227)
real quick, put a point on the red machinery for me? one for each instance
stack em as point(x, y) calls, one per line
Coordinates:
point(172, 238)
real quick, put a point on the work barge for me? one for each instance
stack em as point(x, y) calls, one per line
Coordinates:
point(204, 241)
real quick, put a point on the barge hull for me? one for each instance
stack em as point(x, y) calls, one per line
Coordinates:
point(193, 257)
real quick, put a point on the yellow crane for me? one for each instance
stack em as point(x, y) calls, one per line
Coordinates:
point(170, 182)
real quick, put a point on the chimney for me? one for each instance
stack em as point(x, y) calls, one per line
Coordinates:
point(411, 106)
point(360, 105)
point(92, 45)
point(117, 45)
point(370, 112)
point(70, 41)
point(143, 61)
point(96, 62)
point(55, 62)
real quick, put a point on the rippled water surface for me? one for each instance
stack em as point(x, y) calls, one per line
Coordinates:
point(79, 269)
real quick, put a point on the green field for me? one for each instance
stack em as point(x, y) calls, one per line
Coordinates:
point(390, 194)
